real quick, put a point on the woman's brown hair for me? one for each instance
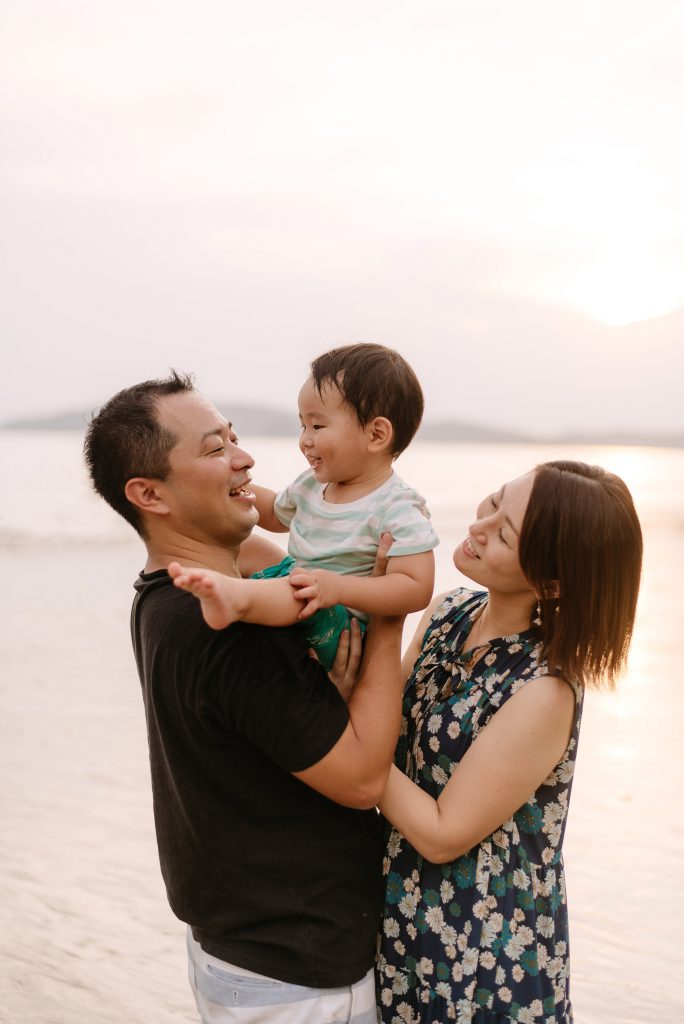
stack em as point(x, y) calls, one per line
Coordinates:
point(581, 547)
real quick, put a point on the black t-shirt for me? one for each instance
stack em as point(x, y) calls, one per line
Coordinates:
point(269, 874)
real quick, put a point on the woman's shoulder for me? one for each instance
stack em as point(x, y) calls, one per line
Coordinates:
point(462, 600)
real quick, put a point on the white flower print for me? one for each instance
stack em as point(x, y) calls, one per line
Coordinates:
point(424, 966)
point(446, 891)
point(505, 995)
point(470, 960)
point(390, 927)
point(407, 905)
point(400, 985)
point(491, 929)
point(520, 879)
point(545, 926)
point(434, 916)
point(406, 1014)
point(514, 947)
point(481, 910)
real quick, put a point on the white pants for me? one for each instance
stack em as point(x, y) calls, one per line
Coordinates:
point(226, 994)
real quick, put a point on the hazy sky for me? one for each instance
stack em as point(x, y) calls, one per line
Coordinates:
point(494, 188)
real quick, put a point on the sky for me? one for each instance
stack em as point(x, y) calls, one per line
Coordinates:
point(231, 188)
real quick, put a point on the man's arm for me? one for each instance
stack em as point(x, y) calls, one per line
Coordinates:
point(257, 553)
point(354, 772)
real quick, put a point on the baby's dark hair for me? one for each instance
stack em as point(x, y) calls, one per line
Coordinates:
point(374, 381)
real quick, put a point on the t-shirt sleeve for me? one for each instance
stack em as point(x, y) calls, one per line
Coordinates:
point(408, 520)
point(285, 504)
point(268, 690)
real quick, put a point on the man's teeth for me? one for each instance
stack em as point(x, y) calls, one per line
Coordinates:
point(240, 490)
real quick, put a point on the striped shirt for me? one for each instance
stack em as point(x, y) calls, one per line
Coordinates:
point(344, 538)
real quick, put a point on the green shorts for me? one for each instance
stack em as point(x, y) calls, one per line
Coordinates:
point(323, 630)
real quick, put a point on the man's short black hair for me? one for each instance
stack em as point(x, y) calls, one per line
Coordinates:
point(125, 439)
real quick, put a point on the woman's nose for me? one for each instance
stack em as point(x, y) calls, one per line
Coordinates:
point(479, 527)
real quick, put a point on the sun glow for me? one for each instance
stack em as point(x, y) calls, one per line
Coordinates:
point(617, 289)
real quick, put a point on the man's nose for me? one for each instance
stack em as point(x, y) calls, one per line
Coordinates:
point(241, 459)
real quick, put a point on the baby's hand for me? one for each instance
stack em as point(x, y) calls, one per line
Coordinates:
point(317, 587)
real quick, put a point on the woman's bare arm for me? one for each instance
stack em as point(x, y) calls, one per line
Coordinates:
point(507, 762)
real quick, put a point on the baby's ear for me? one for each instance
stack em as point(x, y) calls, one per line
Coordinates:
point(380, 433)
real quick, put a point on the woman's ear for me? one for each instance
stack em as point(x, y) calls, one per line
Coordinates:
point(143, 493)
point(551, 590)
point(380, 433)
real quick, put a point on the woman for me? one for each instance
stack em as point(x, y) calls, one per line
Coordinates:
point(475, 920)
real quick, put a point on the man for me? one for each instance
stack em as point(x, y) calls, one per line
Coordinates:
point(264, 780)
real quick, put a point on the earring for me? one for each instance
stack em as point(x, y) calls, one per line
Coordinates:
point(537, 620)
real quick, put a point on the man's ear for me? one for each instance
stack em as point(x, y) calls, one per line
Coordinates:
point(380, 433)
point(143, 493)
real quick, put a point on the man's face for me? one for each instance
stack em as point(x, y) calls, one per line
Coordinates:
point(206, 491)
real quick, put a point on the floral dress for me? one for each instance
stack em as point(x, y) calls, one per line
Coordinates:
point(484, 938)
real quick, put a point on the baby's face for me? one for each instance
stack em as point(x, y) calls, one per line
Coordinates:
point(332, 440)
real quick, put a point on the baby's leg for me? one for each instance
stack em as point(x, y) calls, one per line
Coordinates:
point(219, 595)
point(225, 599)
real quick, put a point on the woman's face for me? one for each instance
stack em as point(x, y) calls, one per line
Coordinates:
point(489, 554)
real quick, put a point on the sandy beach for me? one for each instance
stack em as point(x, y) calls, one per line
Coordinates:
point(86, 933)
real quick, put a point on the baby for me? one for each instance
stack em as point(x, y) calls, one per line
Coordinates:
point(359, 409)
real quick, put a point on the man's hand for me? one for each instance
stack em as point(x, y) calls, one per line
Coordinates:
point(345, 668)
point(381, 559)
point(317, 587)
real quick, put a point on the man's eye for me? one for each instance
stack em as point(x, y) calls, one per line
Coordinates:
point(493, 501)
point(221, 448)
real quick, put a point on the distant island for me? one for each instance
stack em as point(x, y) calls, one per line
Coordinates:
point(261, 421)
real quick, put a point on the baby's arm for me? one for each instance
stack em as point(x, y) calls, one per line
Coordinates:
point(406, 587)
point(265, 500)
point(227, 599)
